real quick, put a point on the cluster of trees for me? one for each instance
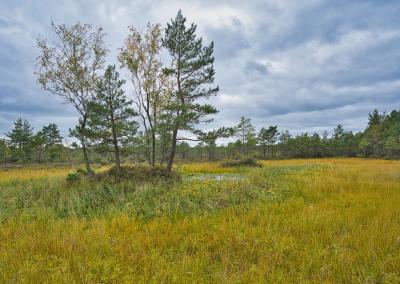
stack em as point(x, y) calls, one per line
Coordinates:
point(167, 99)
point(382, 136)
point(164, 107)
point(268, 143)
point(22, 145)
point(271, 143)
point(381, 139)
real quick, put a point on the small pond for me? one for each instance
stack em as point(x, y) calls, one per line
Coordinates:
point(218, 177)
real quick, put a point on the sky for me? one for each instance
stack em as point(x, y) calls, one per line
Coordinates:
point(302, 65)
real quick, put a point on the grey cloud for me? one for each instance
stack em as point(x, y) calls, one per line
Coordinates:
point(303, 65)
point(228, 41)
point(256, 68)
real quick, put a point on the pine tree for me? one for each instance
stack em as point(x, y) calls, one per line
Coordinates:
point(191, 68)
point(111, 118)
point(374, 118)
point(245, 131)
point(21, 139)
point(52, 140)
point(3, 150)
point(39, 145)
point(267, 137)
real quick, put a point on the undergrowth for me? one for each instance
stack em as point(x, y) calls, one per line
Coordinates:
point(135, 195)
point(291, 221)
point(242, 162)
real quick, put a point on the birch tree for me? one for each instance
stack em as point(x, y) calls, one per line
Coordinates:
point(68, 66)
point(140, 55)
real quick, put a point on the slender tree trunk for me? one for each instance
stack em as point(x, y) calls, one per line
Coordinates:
point(40, 156)
point(175, 131)
point(148, 150)
point(86, 156)
point(83, 143)
point(69, 157)
point(173, 151)
point(162, 155)
point(153, 149)
point(116, 154)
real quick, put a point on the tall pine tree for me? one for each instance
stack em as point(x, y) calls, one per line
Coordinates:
point(20, 139)
point(193, 71)
point(245, 131)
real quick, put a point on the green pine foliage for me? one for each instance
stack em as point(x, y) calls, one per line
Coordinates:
point(20, 140)
point(110, 122)
point(193, 70)
point(382, 136)
point(52, 141)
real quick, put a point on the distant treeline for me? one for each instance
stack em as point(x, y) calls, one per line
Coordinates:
point(381, 139)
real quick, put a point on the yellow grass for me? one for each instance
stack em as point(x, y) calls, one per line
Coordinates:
point(33, 172)
point(39, 171)
point(204, 167)
point(340, 223)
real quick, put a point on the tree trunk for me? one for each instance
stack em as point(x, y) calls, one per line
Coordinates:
point(40, 156)
point(83, 143)
point(153, 149)
point(116, 154)
point(86, 156)
point(162, 155)
point(176, 127)
point(173, 151)
point(69, 157)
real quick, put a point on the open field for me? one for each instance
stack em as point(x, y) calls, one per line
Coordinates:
point(323, 220)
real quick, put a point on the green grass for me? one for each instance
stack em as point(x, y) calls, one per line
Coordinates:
point(89, 199)
point(327, 220)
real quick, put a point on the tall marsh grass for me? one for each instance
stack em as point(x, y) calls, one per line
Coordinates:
point(326, 220)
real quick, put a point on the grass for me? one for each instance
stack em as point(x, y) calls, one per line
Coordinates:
point(324, 220)
point(28, 173)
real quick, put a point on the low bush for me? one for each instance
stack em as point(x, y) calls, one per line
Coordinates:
point(138, 173)
point(76, 175)
point(243, 162)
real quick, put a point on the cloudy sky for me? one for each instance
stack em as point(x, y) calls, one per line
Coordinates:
point(304, 65)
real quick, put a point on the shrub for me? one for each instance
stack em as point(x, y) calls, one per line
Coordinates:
point(76, 175)
point(243, 162)
point(138, 173)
